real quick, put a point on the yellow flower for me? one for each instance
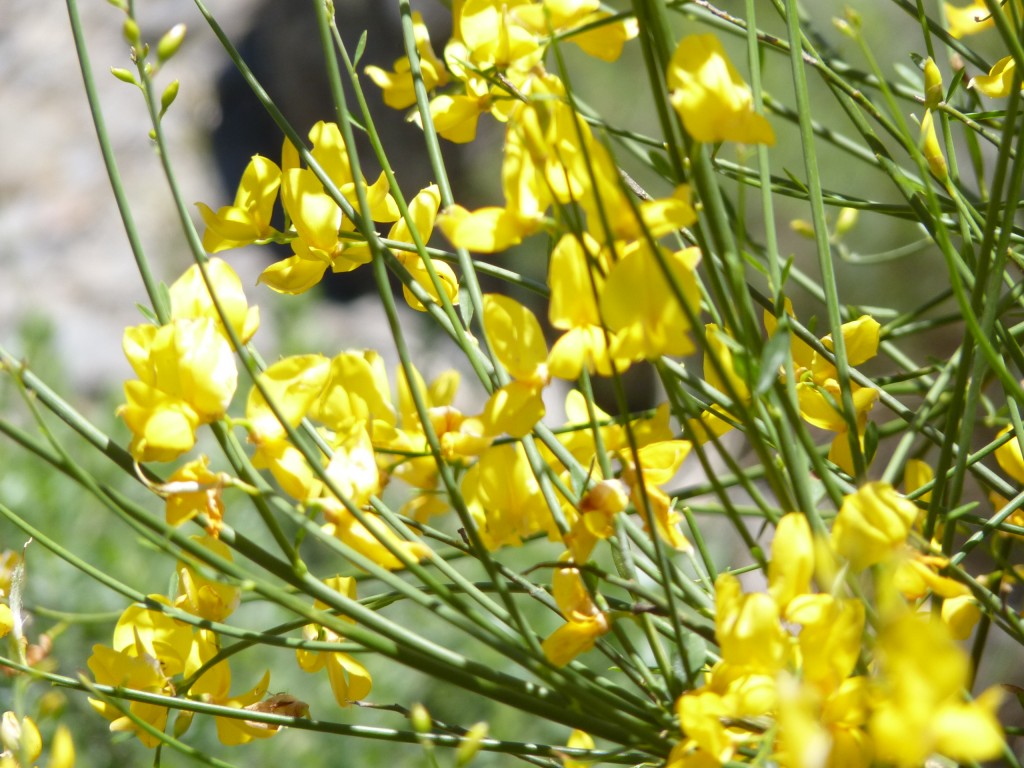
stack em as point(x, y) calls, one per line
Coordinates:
point(492, 39)
point(792, 565)
point(214, 686)
point(872, 524)
point(423, 212)
point(6, 620)
point(747, 628)
point(374, 540)
point(918, 698)
point(190, 298)
point(711, 422)
point(578, 740)
point(573, 308)
point(348, 678)
point(187, 377)
point(155, 636)
point(819, 395)
point(194, 490)
point(20, 738)
point(318, 219)
point(356, 392)
point(999, 80)
point(585, 622)
point(542, 163)
point(932, 149)
point(121, 669)
point(210, 599)
point(294, 384)
point(658, 464)
point(658, 325)
point(969, 19)
point(248, 220)
point(397, 86)
point(517, 340)
point(710, 96)
point(455, 115)
point(503, 496)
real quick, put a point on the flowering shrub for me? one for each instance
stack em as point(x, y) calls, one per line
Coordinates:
point(731, 576)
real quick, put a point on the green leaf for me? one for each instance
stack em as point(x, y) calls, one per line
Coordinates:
point(360, 47)
point(773, 357)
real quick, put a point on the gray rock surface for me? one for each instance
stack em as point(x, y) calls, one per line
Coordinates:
point(63, 254)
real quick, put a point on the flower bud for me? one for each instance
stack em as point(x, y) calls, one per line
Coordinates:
point(803, 228)
point(420, 718)
point(182, 723)
point(931, 148)
point(169, 94)
point(470, 744)
point(846, 220)
point(170, 42)
point(124, 75)
point(131, 32)
point(933, 93)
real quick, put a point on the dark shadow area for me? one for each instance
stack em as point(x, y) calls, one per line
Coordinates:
point(283, 49)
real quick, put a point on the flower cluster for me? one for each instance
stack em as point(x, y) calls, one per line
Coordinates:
point(794, 657)
point(153, 652)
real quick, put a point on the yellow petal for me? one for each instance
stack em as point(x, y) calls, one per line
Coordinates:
point(515, 336)
point(711, 97)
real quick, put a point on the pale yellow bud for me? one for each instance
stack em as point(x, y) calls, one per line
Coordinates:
point(170, 42)
point(933, 91)
point(470, 744)
point(931, 148)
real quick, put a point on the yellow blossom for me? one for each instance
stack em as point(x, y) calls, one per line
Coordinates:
point(658, 325)
point(710, 96)
point(585, 622)
point(20, 738)
point(294, 384)
point(374, 540)
point(658, 463)
point(999, 80)
point(187, 377)
point(872, 523)
point(193, 490)
point(918, 700)
point(138, 672)
point(208, 598)
point(317, 217)
point(792, 565)
point(423, 212)
point(455, 115)
point(190, 298)
point(248, 220)
point(517, 340)
point(397, 86)
point(968, 19)
point(504, 497)
point(214, 686)
point(577, 740)
point(348, 678)
point(356, 392)
point(153, 635)
point(492, 39)
point(573, 308)
point(932, 149)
